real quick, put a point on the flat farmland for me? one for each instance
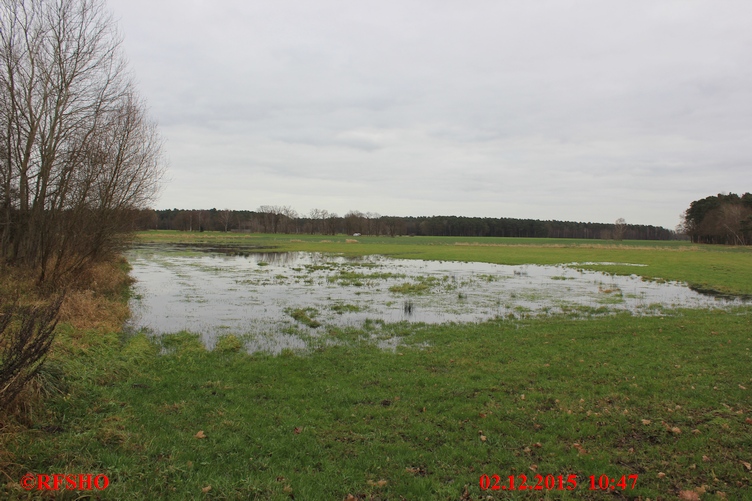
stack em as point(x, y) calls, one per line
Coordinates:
point(578, 401)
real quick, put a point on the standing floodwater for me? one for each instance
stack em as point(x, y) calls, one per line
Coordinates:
point(211, 292)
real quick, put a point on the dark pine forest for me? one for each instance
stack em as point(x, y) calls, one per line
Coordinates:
point(276, 219)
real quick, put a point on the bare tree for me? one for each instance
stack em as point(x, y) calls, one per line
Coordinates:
point(620, 226)
point(225, 217)
point(372, 223)
point(289, 216)
point(332, 223)
point(79, 153)
point(277, 218)
point(270, 215)
point(355, 222)
point(318, 220)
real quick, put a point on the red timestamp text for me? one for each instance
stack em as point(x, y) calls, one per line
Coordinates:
point(554, 482)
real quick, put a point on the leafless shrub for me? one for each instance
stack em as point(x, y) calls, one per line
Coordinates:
point(26, 333)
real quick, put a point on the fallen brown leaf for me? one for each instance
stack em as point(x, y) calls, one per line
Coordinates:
point(482, 415)
point(534, 467)
point(675, 430)
point(747, 465)
point(689, 496)
point(287, 489)
point(748, 421)
point(526, 449)
point(297, 430)
point(416, 471)
point(661, 474)
point(706, 459)
point(537, 444)
point(206, 489)
point(200, 434)
point(646, 421)
point(742, 387)
point(466, 495)
point(482, 438)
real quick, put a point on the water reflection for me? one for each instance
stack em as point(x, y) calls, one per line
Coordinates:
point(276, 298)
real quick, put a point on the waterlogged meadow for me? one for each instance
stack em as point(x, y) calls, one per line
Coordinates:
point(346, 372)
point(289, 300)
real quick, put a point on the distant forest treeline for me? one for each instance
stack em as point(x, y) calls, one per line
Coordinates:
point(276, 219)
point(720, 219)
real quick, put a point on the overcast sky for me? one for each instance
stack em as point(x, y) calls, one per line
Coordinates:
point(568, 110)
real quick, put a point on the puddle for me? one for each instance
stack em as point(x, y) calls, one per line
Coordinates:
point(283, 300)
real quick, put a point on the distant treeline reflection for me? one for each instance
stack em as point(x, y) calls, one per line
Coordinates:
point(275, 219)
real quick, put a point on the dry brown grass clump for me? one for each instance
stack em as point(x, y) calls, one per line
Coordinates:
point(96, 300)
point(88, 310)
point(93, 300)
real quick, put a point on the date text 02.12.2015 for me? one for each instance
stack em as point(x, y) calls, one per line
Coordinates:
point(555, 482)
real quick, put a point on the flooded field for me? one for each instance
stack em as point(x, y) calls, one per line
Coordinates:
point(278, 299)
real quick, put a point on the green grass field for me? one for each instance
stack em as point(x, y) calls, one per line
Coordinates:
point(664, 398)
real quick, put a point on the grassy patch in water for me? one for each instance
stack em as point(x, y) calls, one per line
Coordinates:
point(305, 316)
point(410, 288)
point(341, 308)
point(421, 285)
point(348, 277)
point(664, 398)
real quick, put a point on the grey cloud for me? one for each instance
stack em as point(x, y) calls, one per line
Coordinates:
point(520, 98)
